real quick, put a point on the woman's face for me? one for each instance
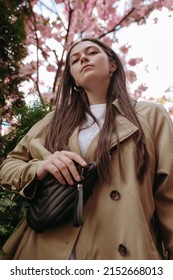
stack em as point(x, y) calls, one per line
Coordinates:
point(89, 63)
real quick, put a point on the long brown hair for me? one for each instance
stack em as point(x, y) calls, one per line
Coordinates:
point(70, 112)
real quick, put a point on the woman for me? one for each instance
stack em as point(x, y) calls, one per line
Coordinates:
point(134, 194)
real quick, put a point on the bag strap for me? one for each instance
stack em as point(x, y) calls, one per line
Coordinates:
point(78, 209)
point(78, 212)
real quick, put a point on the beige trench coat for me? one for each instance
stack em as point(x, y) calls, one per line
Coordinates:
point(118, 218)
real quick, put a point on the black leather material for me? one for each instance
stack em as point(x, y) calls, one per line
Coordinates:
point(55, 204)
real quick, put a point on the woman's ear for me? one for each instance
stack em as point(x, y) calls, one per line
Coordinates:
point(113, 66)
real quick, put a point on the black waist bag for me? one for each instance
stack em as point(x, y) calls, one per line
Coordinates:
point(55, 204)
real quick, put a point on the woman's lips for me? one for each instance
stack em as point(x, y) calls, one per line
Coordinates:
point(86, 66)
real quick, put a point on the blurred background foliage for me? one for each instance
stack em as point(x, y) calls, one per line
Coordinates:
point(12, 205)
point(12, 51)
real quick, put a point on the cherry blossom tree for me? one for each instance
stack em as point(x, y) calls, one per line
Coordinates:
point(55, 24)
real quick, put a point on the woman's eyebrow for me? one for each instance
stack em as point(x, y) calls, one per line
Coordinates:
point(84, 50)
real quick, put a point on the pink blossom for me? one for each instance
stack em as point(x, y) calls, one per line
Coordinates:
point(134, 61)
point(48, 96)
point(139, 91)
point(107, 41)
point(131, 75)
point(51, 68)
point(28, 69)
point(59, 1)
point(34, 2)
point(125, 48)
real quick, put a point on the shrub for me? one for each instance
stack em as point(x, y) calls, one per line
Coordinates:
point(12, 205)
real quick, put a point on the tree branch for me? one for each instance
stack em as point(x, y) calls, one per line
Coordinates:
point(37, 62)
point(118, 24)
point(52, 11)
point(65, 42)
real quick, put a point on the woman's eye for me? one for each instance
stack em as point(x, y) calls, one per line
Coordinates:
point(92, 52)
point(74, 61)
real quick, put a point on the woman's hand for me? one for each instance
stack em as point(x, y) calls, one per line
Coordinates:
point(61, 166)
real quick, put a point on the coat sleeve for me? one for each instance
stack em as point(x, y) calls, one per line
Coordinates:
point(18, 170)
point(162, 128)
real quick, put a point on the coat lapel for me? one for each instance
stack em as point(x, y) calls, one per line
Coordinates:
point(125, 129)
point(73, 142)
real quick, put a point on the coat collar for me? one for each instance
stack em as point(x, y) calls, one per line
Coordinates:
point(125, 129)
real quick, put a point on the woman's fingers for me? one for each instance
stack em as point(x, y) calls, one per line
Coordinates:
point(67, 166)
point(65, 171)
point(61, 166)
point(75, 157)
point(64, 161)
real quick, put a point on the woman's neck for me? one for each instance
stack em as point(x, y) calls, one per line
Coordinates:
point(96, 97)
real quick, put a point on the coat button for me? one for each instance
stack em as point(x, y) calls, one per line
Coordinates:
point(115, 195)
point(122, 250)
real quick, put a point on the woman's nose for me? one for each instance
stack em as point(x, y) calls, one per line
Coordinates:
point(84, 58)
